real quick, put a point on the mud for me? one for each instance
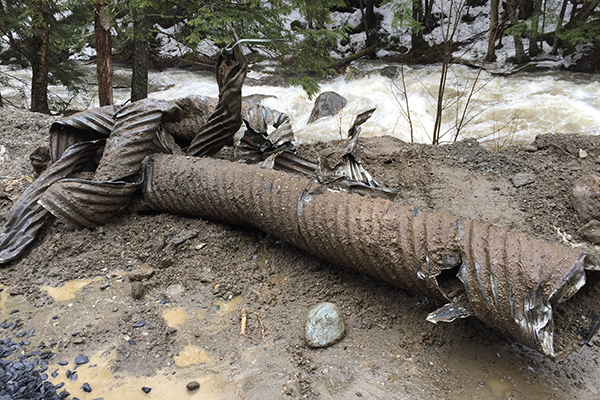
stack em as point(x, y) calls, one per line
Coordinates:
point(192, 302)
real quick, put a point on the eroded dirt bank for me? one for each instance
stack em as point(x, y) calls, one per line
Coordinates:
point(193, 289)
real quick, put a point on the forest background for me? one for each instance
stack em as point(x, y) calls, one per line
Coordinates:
point(301, 36)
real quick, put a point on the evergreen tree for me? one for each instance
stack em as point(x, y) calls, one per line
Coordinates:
point(29, 27)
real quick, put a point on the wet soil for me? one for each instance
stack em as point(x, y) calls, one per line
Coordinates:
point(150, 310)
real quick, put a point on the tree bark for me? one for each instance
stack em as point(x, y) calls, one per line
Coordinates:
point(139, 76)
point(491, 53)
point(514, 19)
point(39, 65)
point(534, 50)
point(371, 23)
point(580, 15)
point(561, 17)
point(416, 36)
point(104, 62)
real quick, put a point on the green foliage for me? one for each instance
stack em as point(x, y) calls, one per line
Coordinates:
point(303, 54)
point(68, 35)
point(586, 32)
point(305, 59)
point(403, 19)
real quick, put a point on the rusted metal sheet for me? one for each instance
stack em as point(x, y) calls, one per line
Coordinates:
point(134, 131)
point(84, 126)
point(506, 279)
point(84, 203)
point(27, 216)
point(222, 125)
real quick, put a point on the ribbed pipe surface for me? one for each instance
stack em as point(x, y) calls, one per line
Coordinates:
point(80, 127)
point(134, 130)
point(27, 216)
point(506, 279)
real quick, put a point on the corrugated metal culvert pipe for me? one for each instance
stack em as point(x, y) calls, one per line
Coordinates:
point(506, 279)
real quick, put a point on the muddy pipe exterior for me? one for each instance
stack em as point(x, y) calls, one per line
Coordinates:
point(506, 279)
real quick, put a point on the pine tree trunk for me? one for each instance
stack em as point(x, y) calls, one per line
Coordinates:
point(104, 53)
point(139, 76)
point(561, 17)
point(491, 52)
point(519, 50)
point(39, 65)
point(416, 37)
point(371, 23)
point(534, 50)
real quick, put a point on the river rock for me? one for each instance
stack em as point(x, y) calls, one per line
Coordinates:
point(352, 74)
point(137, 290)
point(325, 325)
point(591, 231)
point(522, 179)
point(142, 273)
point(585, 198)
point(326, 105)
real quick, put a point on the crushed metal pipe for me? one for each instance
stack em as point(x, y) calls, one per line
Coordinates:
point(506, 279)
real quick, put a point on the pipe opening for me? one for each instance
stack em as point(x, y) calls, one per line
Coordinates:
point(449, 283)
point(577, 320)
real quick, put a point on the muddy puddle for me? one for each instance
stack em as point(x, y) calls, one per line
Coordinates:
point(74, 302)
point(84, 310)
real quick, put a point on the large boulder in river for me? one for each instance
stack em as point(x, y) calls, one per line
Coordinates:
point(585, 198)
point(586, 58)
point(326, 105)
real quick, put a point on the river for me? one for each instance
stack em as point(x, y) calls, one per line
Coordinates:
point(502, 110)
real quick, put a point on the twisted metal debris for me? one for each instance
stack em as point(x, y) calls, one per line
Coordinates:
point(506, 279)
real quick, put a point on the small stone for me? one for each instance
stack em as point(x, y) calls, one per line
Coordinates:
point(591, 231)
point(137, 290)
point(183, 236)
point(16, 291)
point(86, 387)
point(139, 324)
point(192, 386)
point(146, 389)
point(174, 291)
point(63, 363)
point(81, 360)
point(105, 286)
point(325, 325)
point(582, 153)
point(530, 148)
point(142, 273)
point(585, 197)
point(522, 179)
